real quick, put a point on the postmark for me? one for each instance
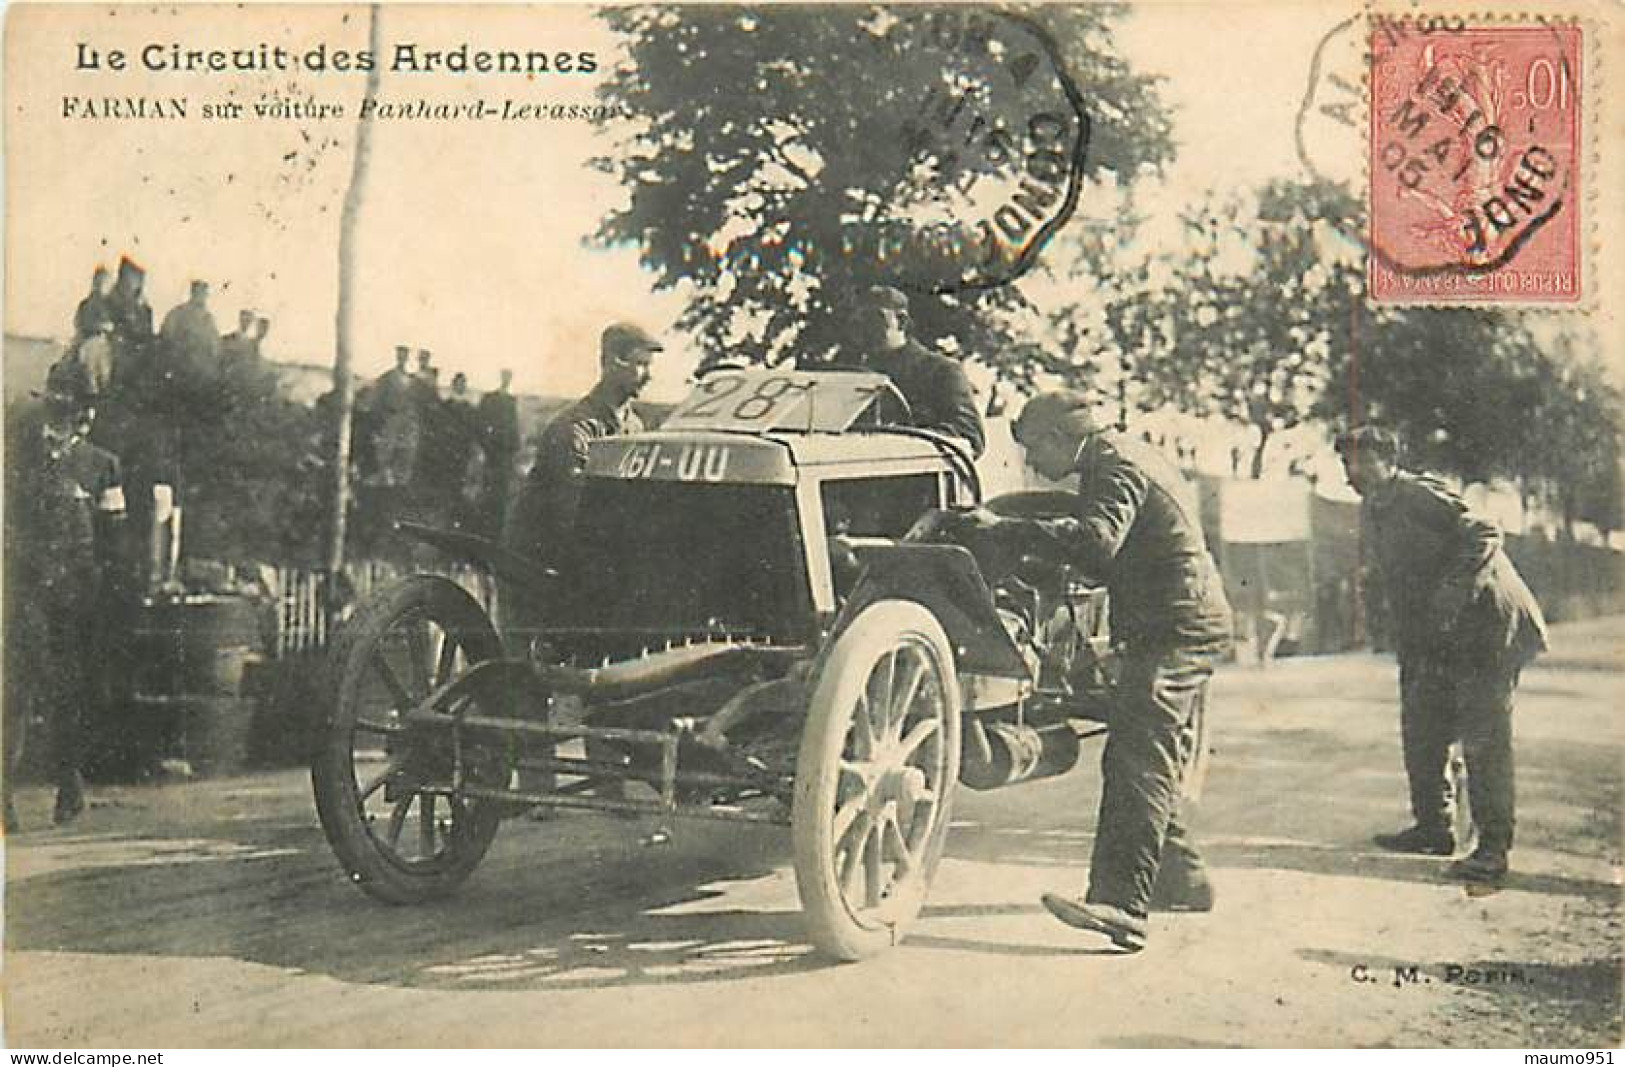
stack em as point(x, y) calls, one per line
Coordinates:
point(1475, 160)
point(988, 150)
point(1464, 142)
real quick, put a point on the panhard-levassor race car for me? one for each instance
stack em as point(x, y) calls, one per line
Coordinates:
point(761, 619)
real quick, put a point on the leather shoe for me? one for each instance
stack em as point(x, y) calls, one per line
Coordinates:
point(1481, 866)
point(1420, 840)
point(1184, 889)
point(1126, 931)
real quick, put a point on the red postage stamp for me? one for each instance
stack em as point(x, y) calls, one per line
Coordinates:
point(1475, 163)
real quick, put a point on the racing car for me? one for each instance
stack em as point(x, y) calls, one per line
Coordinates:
point(764, 618)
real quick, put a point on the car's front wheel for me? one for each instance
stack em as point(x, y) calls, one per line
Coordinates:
point(875, 775)
point(403, 838)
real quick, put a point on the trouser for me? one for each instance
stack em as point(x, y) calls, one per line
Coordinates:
point(1443, 700)
point(1149, 747)
point(495, 487)
point(54, 661)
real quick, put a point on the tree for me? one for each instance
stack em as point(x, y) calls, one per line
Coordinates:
point(1574, 438)
point(1473, 393)
point(1445, 380)
point(1255, 305)
point(344, 324)
point(1118, 315)
point(225, 436)
point(772, 140)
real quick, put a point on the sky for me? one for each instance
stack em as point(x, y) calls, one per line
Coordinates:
point(472, 236)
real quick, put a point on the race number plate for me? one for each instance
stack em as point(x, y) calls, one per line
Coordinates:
point(827, 402)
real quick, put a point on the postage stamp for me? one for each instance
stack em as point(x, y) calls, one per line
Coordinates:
point(1475, 162)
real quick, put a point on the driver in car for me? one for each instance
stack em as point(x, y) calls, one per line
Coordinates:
point(1136, 526)
point(938, 393)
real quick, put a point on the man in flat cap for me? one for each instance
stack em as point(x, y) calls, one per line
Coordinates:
point(64, 512)
point(395, 412)
point(938, 393)
point(131, 314)
point(189, 331)
point(1137, 527)
point(545, 511)
point(542, 520)
point(1465, 626)
point(498, 419)
point(93, 309)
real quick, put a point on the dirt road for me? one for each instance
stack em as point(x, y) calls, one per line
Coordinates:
point(212, 913)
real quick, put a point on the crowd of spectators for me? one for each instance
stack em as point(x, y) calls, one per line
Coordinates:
point(447, 460)
point(426, 451)
point(166, 396)
point(113, 335)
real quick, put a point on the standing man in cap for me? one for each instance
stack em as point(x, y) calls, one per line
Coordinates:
point(64, 512)
point(1465, 625)
point(93, 309)
point(498, 419)
point(1137, 526)
point(394, 410)
point(239, 345)
point(546, 509)
point(938, 393)
point(189, 332)
point(131, 314)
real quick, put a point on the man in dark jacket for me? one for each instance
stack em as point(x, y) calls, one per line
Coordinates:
point(498, 420)
point(395, 413)
point(1464, 626)
point(93, 309)
point(64, 511)
point(544, 515)
point(131, 314)
point(189, 332)
point(938, 393)
point(1136, 527)
point(541, 525)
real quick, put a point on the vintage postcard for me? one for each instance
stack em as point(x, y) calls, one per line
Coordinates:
point(841, 524)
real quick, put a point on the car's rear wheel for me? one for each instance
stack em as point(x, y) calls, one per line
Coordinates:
point(875, 775)
point(379, 781)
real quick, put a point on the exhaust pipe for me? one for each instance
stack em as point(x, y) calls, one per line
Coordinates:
point(657, 670)
point(998, 754)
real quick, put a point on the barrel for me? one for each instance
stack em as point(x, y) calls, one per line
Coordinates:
point(220, 635)
point(191, 653)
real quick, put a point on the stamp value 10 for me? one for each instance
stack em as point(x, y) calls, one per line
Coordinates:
point(1475, 162)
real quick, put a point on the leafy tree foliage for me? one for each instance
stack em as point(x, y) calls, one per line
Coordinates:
point(1245, 321)
point(229, 442)
point(1445, 379)
point(769, 149)
point(1474, 394)
point(1575, 440)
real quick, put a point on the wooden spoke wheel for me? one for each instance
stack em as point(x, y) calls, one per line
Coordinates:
point(875, 776)
point(380, 783)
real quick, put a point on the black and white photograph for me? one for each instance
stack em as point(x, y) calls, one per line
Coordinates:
point(814, 525)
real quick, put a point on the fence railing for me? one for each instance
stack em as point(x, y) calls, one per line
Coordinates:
point(305, 607)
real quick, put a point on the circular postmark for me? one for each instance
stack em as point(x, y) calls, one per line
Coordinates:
point(988, 150)
point(1471, 147)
